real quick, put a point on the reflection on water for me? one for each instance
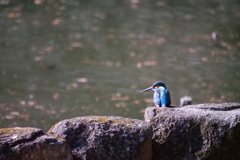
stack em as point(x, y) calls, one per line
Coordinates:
point(73, 58)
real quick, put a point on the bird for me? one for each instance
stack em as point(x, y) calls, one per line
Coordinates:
point(161, 96)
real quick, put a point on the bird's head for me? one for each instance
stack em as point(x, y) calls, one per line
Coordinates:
point(155, 85)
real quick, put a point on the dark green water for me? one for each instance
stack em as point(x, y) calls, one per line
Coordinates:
point(68, 58)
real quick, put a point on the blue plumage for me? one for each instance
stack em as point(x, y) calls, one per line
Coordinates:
point(161, 96)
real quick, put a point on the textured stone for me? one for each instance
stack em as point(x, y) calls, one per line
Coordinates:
point(106, 138)
point(31, 144)
point(196, 132)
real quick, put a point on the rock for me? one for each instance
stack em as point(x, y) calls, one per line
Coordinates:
point(186, 100)
point(106, 138)
point(196, 132)
point(31, 144)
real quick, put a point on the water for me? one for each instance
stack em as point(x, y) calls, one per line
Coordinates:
point(69, 58)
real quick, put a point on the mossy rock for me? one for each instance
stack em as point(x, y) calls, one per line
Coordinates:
point(106, 137)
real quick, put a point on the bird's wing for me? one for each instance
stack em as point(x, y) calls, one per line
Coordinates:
point(168, 97)
point(165, 98)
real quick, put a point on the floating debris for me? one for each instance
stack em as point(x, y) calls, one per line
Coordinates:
point(82, 80)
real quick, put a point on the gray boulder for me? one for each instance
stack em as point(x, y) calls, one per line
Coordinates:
point(196, 132)
point(106, 138)
point(31, 144)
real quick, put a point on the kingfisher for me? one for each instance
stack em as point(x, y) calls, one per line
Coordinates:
point(161, 96)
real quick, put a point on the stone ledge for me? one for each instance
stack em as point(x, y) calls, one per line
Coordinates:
point(194, 132)
point(203, 131)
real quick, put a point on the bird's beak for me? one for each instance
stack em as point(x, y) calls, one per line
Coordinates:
point(147, 89)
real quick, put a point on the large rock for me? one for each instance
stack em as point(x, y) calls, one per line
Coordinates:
point(31, 144)
point(196, 132)
point(106, 138)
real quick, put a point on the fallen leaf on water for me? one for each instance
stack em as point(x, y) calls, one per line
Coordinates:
point(204, 59)
point(72, 86)
point(14, 113)
point(120, 98)
point(82, 80)
point(56, 21)
point(56, 95)
point(121, 104)
point(139, 64)
point(48, 48)
point(3, 105)
point(8, 117)
point(31, 103)
point(218, 52)
point(149, 63)
point(26, 116)
point(192, 50)
point(76, 44)
point(94, 28)
point(136, 101)
point(135, 1)
point(41, 107)
point(38, 2)
point(160, 3)
point(63, 110)
point(22, 102)
point(13, 15)
point(38, 58)
point(148, 100)
point(160, 40)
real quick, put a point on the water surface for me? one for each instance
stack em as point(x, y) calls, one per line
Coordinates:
point(69, 58)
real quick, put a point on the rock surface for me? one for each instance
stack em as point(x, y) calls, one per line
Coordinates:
point(106, 138)
point(196, 132)
point(31, 144)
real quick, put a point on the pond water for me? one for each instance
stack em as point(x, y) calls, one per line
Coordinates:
point(69, 58)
